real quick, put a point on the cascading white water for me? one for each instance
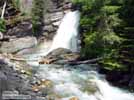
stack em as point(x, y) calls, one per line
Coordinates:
point(86, 84)
point(67, 34)
point(78, 81)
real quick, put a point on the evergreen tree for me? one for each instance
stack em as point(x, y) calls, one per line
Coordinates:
point(37, 16)
point(98, 19)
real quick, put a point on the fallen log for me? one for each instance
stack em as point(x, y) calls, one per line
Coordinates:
point(76, 62)
point(90, 61)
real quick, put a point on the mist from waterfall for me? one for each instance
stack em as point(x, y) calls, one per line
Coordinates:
point(67, 34)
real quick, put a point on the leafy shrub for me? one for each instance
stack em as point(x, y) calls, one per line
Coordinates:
point(2, 25)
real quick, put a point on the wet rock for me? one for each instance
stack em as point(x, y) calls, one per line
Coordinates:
point(54, 10)
point(56, 23)
point(59, 56)
point(56, 16)
point(67, 11)
point(44, 87)
point(48, 28)
point(21, 30)
point(89, 86)
point(58, 52)
point(18, 44)
point(74, 98)
point(68, 5)
point(47, 21)
point(46, 34)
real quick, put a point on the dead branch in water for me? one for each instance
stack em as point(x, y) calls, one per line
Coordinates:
point(84, 62)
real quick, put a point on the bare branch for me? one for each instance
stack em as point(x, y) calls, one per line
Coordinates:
point(3, 10)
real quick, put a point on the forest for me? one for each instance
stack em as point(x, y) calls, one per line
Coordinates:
point(107, 31)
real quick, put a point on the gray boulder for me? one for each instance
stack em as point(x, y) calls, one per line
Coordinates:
point(59, 56)
point(18, 44)
point(21, 30)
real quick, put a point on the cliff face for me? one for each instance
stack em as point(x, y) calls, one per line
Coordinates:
point(26, 6)
point(18, 21)
point(54, 11)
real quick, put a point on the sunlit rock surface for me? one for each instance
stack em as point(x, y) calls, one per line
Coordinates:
point(18, 44)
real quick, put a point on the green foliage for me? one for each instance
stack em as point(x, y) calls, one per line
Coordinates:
point(16, 4)
point(110, 9)
point(37, 15)
point(2, 25)
point(112, 64)
point(98, 20)
point(100, 44)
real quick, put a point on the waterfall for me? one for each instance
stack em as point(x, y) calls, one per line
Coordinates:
point(66, 37)
point(67, 34)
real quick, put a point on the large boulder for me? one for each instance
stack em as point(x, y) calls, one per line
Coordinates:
point(21, 29)
point(59, 56)
point(18, 44)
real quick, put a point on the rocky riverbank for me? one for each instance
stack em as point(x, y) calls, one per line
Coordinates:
point(18, 78)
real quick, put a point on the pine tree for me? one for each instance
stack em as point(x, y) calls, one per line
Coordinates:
point(37, 15)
